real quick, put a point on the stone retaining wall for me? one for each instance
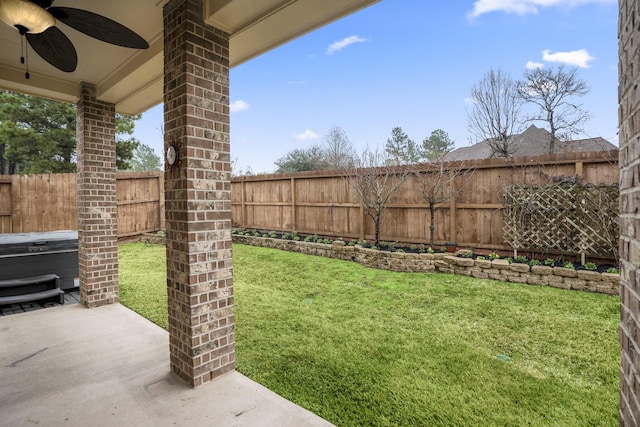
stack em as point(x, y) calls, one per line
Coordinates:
point(499, 269)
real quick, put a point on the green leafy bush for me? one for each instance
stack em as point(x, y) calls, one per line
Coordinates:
point(493, 256)
point(590, 266)
point(521, 259)
point(569, 265)
point(534, 262)
point(613, 270)
point(549, 262)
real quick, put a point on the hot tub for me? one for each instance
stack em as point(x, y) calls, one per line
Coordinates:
point(33, 254)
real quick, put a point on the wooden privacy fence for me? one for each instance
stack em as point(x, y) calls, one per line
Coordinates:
point(320, 203)
point(48, 202)
point(323, 203)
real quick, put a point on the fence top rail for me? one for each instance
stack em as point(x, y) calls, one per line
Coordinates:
point(609, 156)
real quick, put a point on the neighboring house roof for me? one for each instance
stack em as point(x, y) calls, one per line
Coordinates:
point(532, 142)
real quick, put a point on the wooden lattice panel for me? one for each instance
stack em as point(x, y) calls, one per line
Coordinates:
point(573, 218)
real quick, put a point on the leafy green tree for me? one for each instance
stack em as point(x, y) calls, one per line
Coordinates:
point(302, 159)
point(401, 148)
point(145, 159)
point(126, 144)
point(38, 135)
point(436, 146)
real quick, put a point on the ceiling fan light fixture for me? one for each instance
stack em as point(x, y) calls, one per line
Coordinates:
point(23, 14)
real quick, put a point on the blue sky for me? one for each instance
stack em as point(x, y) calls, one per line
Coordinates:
point(409, 63)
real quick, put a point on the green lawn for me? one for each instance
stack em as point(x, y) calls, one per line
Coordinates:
point(366, 347)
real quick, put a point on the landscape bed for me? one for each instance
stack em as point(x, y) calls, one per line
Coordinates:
point(361, 346)
point(443, 262)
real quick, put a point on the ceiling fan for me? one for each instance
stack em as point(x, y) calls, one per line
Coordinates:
point(36, 20)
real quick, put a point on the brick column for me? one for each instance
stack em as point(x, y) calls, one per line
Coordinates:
point(198, 195)
point(97, 214)
point(629, 136)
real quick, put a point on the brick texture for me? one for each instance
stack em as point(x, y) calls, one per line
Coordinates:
point(198, 195)
point(96, 186)
point(629, 117)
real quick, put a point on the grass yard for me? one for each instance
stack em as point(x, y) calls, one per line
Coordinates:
point(364, 347)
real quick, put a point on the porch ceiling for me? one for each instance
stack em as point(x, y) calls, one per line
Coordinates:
point(132, 79)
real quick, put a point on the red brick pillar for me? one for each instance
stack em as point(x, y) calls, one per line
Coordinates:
point(96, 186)
point(629, 117)
point(198, 195)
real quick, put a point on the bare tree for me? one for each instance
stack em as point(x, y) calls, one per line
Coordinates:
point(338, 150)
point(495, 114)
point(551, 90)
point(375, 181)
point(437, 185)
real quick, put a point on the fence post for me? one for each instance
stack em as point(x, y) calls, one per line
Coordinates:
point(243, 207)
point(453, 212)
point(363, 220)
point(294, 221)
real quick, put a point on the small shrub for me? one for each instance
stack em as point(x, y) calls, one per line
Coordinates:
point(509, 260)
point(590, 266)
point(613, 270)
point(569, 265)
point(384, 245)
point(265, 235)
point(466, 254)
point(443, 249)
point(308, 238)
point(272, 234)
point(296, 238)
point(481, 257)
point(256, 233)
point(414, 248)
point(549, 262)
point(399, 250)
point(351, 243)
point(374, 247)
point(431, 250)
point(493, 256)
point(534, 262)
point(521, 259)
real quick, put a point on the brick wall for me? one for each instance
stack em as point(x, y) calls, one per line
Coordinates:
point(96, 192)
point(198, 195)
point(629, 116)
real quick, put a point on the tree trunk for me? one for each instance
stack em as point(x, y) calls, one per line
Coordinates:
point(432, 226)
point(376, 222)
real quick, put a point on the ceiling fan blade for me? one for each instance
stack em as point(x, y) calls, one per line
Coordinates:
point(55, 48)
point(99, 27)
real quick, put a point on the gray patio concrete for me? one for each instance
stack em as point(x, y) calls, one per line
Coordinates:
point(108, 366)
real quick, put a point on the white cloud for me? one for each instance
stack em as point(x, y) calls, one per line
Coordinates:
point(579, 58)
point(237, 106)
point(523, 7)
point(533, 65)
point(306, 135)
point(339, 45)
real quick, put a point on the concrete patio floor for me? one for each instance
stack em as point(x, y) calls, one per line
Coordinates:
point(108, 366)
